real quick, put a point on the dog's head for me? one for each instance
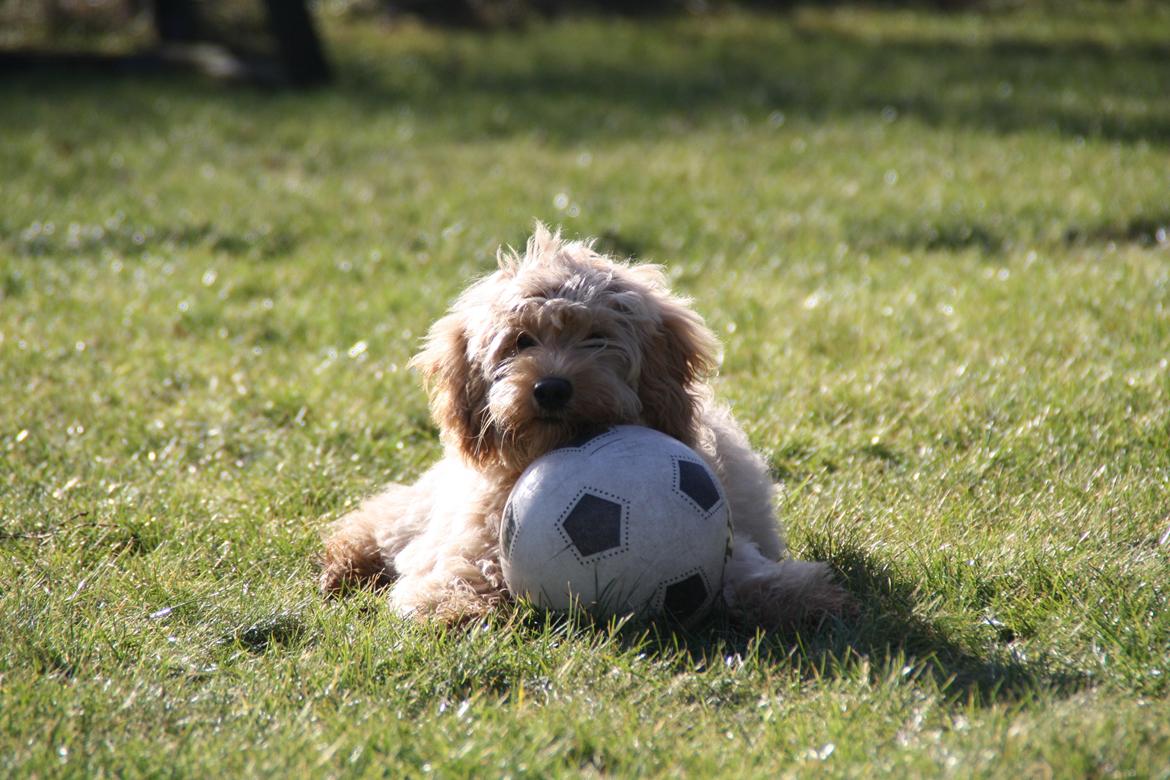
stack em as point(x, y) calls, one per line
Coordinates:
point(559, 341)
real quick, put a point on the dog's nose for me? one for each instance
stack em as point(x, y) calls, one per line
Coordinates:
point(552, 393)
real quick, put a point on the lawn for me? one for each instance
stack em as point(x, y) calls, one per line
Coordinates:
point(935, 247)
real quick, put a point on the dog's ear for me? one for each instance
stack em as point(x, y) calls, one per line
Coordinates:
point(458, 391)
point(679, 355)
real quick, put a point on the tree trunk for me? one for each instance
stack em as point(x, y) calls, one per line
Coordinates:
point(176, 21)
point(300, 49)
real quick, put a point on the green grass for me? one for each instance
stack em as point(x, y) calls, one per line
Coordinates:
point(935, 247)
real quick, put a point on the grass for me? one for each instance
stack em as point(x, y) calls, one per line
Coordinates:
point(935, 246)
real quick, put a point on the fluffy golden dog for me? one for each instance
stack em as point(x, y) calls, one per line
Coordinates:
point(560, 341)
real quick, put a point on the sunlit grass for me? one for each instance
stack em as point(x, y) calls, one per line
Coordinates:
point(935, 247)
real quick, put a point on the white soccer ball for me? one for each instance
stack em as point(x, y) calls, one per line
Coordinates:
point(630, 521)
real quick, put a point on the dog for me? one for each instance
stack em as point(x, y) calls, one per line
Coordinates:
point(560, 341)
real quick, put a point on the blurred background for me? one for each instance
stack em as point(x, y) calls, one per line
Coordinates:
point(277, 40)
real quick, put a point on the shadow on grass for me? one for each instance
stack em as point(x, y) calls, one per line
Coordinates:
point(572, 84)
point(818, 75)
point(891, 627)
point(274, 630)
point(887, 634)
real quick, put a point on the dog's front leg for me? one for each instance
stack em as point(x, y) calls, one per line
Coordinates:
point(451, 583)
point(451, 572)
point(361, 547)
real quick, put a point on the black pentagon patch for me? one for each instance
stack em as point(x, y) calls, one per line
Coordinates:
point(685, 597)
point(696, 483)
point(509, 532)
point(594, 525)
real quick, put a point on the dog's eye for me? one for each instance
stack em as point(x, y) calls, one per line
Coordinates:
point(595, 340)
point(524, 341)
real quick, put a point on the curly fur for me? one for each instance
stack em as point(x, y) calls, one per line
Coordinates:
point(634, 353)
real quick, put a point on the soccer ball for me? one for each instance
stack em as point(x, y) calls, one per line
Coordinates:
point(629, 521)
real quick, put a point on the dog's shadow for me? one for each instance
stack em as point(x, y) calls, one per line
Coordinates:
point(888, 634)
